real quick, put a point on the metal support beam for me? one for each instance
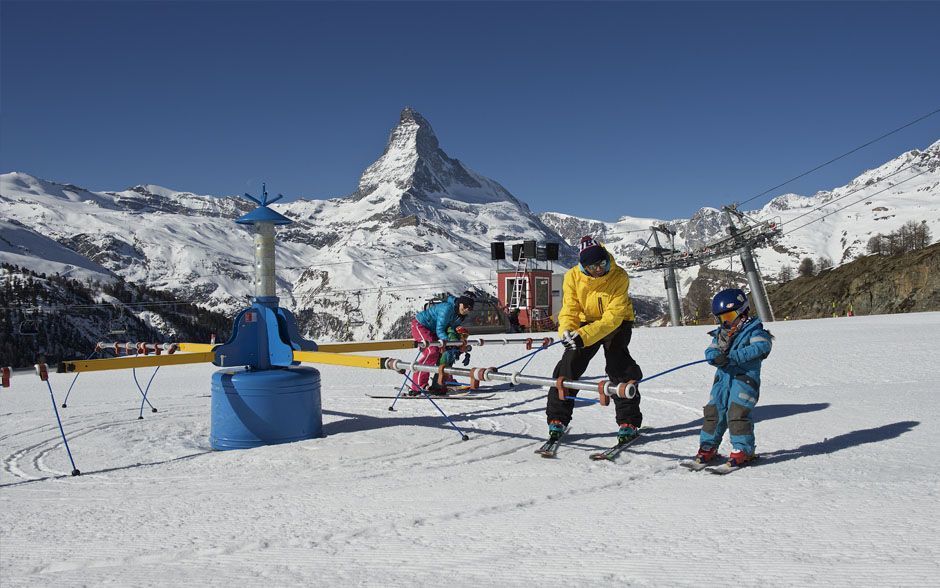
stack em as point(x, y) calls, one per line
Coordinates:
point(492, 374)
point(756, 283)
point(137, 361)
point(362, 361)
point(669, 275)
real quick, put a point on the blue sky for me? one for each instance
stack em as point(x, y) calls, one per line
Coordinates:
point(594, 109)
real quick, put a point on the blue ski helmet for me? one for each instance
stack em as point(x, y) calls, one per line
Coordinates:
point(728, 300)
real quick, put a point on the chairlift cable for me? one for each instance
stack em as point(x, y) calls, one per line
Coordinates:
point(847, 153)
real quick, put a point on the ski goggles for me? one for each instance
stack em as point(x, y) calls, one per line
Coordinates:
point(600, 266)
point(728, 317)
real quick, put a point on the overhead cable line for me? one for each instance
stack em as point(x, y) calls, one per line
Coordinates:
point(866, 197)
point(856, 190)
point(847, 153)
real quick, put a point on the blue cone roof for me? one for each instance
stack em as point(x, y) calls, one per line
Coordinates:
point(263, 214)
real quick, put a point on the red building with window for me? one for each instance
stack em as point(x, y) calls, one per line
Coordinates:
point(530, 292)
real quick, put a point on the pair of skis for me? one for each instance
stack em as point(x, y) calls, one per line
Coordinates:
point(549, 449)
point(725, 468)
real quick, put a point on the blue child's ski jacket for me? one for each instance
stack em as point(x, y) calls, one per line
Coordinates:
point(438, 317)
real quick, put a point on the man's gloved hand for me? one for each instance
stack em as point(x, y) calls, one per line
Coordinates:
point(720, 360)
point(572, 340)
point(466, 358)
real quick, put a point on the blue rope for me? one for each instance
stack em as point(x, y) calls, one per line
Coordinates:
point(75, 471)
point(678, 367)
point(66, 401)
point(145, 392)
point(139, 389)
point(452, 424)
point(403, 382)
point(528, 355)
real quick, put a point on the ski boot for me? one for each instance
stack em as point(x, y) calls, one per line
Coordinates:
point(626, 434)
point(555, 430)
point(702, 459)
point(437, 389)
point(739, 459)
point(705, 454)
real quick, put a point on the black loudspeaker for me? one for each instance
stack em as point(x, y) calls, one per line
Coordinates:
point(529, 248)
point(516, 251)
point(541, 256)
point(551, 251)
point(497, 250)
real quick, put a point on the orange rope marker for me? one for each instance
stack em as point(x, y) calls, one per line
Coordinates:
point(562, 392)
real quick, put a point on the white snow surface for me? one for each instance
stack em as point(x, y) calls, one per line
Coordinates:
point(845, 493)
point(24, 247)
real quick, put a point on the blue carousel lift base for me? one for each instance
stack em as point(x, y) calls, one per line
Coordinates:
point(264, 407)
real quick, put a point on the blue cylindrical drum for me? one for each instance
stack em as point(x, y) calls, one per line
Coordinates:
point(265, 407)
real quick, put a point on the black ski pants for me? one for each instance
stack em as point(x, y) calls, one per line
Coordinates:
point(621, 367)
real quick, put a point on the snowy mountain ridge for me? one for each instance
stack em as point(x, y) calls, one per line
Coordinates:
point(838, 223)
point(420, 222)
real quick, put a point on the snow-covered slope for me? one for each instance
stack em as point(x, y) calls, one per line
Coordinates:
point(880, 200)
point(24, 247)
point(845, 492)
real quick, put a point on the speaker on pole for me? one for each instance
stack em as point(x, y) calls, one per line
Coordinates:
point(516, 251)
point(497, 250)
point(529, 248)
point(551, 251)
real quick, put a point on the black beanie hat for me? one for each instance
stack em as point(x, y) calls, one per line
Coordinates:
point(591, 251)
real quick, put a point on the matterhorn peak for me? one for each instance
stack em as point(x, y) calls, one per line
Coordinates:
point(414, 130)
point(414, 166)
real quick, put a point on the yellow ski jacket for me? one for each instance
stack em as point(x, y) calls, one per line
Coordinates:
point(602, 303)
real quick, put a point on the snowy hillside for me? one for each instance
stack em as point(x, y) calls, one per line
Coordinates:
point(24, 247)
point(845, 492)
point(904, 189)
point(421, 222)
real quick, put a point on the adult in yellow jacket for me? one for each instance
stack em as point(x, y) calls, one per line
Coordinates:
point(596, 312)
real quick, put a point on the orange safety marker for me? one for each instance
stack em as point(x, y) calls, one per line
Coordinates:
point(559, 384)
point(42, 371)
point(5, 377)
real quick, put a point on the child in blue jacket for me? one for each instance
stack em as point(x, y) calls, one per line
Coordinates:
point(430, 325)
point(739, 346)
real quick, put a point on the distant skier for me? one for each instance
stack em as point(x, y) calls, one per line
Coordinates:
point(432, 324)
point(739, 346)
point(596, 312)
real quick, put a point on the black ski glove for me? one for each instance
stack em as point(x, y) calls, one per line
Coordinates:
point(720, 360)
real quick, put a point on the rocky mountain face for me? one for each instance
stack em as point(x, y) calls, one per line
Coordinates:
point(51, 317)
point(871, 284)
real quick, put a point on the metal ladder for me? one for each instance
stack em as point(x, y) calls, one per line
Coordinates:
point(519, 282)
